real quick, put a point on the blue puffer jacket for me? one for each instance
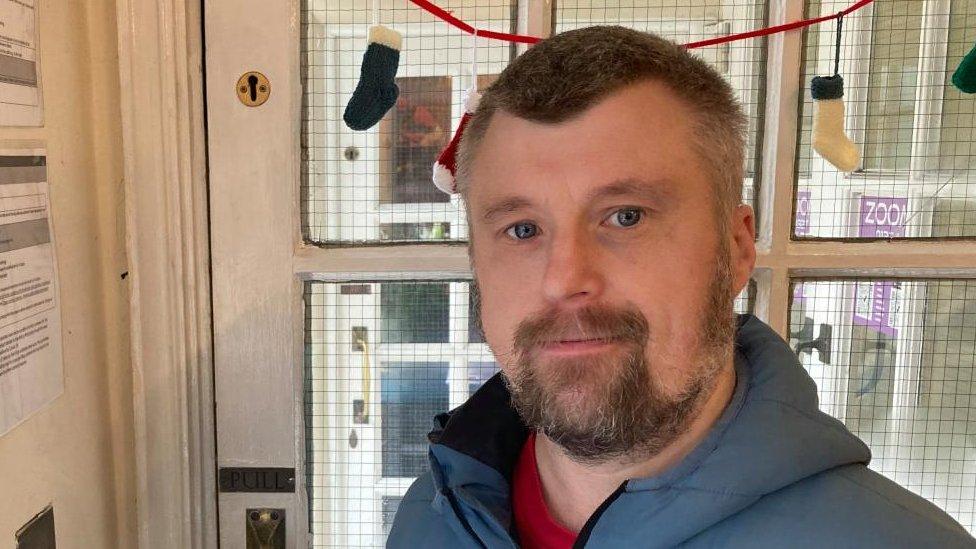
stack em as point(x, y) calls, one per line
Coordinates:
point(773, 472)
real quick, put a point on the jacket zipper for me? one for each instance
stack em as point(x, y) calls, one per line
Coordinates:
point(456, 507)
point(584, 534)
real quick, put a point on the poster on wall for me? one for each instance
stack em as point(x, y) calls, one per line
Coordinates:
point(20, 90)
point(801, 228)
point(877, 305)
point(30, 310)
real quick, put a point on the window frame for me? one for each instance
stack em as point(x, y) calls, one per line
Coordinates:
point(923, 181)
point(780, 256)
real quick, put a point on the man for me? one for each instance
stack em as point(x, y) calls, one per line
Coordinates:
point(602, 178)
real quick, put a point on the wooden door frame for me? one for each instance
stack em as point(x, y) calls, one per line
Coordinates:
point(166, 222)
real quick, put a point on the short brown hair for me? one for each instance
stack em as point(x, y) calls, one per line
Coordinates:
point(563, 76)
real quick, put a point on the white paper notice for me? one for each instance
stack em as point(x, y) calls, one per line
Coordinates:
point(30, 312)
point(20, 94)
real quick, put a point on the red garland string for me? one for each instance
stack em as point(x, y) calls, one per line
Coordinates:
point(447, 17)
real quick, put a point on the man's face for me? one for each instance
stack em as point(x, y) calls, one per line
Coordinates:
point(605, 280)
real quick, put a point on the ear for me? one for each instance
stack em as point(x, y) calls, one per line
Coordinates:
point(742, 246)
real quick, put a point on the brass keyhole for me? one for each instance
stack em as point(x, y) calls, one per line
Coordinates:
point(253, 88)
point(252, 84)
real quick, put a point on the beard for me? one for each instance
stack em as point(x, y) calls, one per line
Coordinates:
point(610, 406)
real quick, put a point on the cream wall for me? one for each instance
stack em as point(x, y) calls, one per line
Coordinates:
point(77, 453)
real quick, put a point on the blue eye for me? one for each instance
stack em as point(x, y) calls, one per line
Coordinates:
point(522, 231)
point(626, 217)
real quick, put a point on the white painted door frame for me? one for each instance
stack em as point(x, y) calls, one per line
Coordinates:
point(161, 78)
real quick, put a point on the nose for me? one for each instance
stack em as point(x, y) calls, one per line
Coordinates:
point(573, 272)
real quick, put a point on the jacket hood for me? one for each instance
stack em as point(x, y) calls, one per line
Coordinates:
point(770, 436)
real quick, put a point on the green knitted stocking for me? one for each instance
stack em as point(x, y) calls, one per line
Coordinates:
point(965, 76)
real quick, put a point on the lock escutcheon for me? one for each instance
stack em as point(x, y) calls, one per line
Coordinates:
point(253, 88)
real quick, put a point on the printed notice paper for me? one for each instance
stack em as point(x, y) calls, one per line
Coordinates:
point(20, 95)
point(30, 312)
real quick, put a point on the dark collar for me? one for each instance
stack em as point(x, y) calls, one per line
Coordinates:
point(486, 427)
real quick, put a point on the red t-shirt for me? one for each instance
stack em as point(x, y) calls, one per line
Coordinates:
point(536, 527)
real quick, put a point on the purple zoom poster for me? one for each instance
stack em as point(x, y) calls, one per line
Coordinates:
point(801, 228)
point(877, 304)
point(882, 217)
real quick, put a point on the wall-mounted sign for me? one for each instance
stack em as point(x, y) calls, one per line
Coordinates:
point(20, 90)
point(878, 304)
point(257, 479)
point(30, 310)
point(882, 217)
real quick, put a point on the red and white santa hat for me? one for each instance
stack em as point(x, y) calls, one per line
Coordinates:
point(445, 168)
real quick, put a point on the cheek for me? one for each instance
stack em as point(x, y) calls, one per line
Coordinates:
point(506, 299)
point(671, 289)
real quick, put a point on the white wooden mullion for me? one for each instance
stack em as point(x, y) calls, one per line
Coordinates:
point(775, 197)
point(760, 299)
point(937, 255)
point(313, 263)
point(930, 88)
point(775, 200)
point(534, 19)
point(906, 378)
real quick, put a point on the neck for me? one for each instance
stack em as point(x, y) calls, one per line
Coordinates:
point(573, 491)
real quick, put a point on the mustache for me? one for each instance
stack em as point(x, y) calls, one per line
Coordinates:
point(594, 322)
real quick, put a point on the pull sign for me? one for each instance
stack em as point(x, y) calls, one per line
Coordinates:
point(257, 479)
point(253, 89)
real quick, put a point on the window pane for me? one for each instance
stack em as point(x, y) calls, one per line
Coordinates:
point(375, 185)
point(390, 505)
point(382, 359)
point(895, 360)
point(414, 313)
point(958, 132)
point(914, 129)
point(479, 373)
point(415, 231)
point(475, 335)
point(742, 62)
point(412, 134)
point(892, 82)
point(412, 394)
point(746, 300)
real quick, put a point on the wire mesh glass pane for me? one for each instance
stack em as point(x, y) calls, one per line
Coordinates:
point(746, 300)
point(382, 359)
point(390, 506)
point(414, 312)
point(684, 21)
point(895, 360)
point(895, 40)
point(912, 127)
point(411, 393)
point(375, 185)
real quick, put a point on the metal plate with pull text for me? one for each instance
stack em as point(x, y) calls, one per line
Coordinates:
point(257, 479)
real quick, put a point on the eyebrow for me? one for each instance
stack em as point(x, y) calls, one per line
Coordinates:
point(505, 206)
point(659, 191)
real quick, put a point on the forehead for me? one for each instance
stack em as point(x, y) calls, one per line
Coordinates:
point(641, 133)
